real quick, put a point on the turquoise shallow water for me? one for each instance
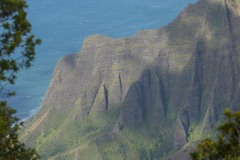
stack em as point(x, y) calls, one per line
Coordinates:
point(62, 25)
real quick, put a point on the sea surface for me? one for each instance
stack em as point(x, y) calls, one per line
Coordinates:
point(62, 25)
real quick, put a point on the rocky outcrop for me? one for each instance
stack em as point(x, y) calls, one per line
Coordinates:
point(146, 95)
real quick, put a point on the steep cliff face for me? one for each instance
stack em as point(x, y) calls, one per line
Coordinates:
point(146, 96)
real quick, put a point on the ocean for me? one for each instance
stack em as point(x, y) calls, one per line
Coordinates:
point(62, 25)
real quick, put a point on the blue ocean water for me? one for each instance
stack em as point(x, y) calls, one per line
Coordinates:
point(62, 25)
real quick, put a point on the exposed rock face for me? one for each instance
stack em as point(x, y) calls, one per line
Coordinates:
point(141, 97)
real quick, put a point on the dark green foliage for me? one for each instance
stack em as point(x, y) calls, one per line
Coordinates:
point(227, 145)
point(17, 43)
point(17, 51)
point(10, 147)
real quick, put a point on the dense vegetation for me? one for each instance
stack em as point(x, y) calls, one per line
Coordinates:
point(227, 145)
point(17, 51)
point(10, 146)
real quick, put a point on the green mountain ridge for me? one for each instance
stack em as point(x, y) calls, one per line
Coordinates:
point(149, 96)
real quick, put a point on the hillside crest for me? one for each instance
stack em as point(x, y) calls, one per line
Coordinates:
point(145, 96)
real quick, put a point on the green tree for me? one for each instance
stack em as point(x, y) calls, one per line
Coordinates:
point(227, 145)
point(17, 51)
point(17, 43)
point(10, 147)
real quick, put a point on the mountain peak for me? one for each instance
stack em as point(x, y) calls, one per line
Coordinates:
point(233, 5)
point(144, 96)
